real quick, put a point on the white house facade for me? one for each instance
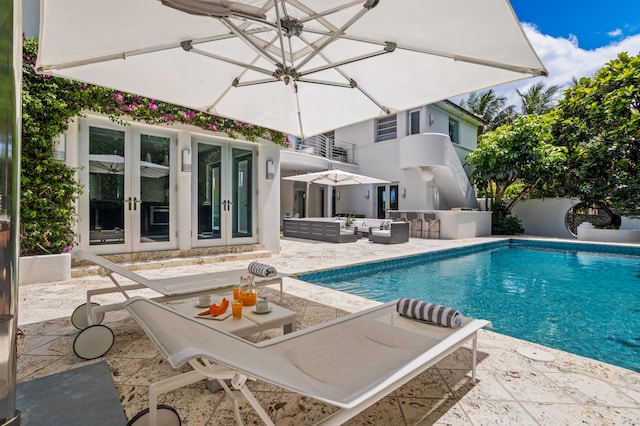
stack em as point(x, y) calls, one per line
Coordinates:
point(421, 153)
point(156, 188)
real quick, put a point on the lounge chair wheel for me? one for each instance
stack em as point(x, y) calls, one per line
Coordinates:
point(79, 317)
point(167, 416)
point(93, 342)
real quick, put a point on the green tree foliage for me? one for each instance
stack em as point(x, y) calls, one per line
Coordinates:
point(599, 124)
point(49, 188)
point(521, 153)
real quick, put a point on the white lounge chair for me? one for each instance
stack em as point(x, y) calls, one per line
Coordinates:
point(95, 340)
point(350, 362)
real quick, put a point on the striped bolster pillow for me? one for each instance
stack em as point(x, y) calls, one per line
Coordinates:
point(260, 269)
point(434, 314)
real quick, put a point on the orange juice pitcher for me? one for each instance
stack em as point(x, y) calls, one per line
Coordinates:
point(248, 292)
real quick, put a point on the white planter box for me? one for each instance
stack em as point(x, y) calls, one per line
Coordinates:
point(44, 269)
point(587, 232)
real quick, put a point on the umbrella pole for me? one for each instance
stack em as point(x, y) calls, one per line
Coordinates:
point(10, 141)
point(306, 202)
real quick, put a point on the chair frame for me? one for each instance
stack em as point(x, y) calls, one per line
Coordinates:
point(146, 313)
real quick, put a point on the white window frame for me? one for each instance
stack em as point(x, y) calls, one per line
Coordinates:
point(410, 115)
point(454, 130)
point(387, 128)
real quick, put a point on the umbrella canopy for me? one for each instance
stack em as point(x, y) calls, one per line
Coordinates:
point(335, 178)
point(302, 67)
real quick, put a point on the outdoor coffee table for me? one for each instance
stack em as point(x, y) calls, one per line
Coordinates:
point(250, 322)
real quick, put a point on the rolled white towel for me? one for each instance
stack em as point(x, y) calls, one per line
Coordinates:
point(424, 311)
point(261, 269)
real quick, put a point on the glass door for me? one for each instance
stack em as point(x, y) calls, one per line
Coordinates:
point(151, 191)
point(224, 184)
point(241, 194)
point(387, 199)
point(129, 182)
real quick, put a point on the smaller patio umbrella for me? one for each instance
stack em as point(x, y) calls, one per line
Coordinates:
point(334, 178)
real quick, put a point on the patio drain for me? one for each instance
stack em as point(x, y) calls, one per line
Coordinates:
point(535, 354)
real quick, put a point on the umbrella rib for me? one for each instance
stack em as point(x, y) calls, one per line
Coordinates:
point(137, 52)
point(454, 56)
point(318, 15)
point(251, 43)
point(334, 36)
point(350, 80)
point(237, 83)
point(280, 33)
point(327, 83)
point(229, 60)
point(390, 47)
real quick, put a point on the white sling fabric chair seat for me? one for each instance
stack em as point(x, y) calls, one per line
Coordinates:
point(350, 362)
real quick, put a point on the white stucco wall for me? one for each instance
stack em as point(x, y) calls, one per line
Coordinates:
point(545, 218)
point(269, 197)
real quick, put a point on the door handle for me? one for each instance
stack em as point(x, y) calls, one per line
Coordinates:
point(128, 201)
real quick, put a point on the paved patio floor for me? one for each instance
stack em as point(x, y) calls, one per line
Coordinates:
point(512, 389)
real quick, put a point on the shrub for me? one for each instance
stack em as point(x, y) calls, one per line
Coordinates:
point(503, 223)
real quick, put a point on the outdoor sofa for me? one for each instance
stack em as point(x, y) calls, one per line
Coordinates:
point(319, 229)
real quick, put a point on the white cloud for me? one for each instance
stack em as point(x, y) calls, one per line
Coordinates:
point(564, 59)
point(615, 33)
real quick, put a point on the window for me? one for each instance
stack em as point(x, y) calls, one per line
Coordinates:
point(386, 128)
point(413, 126)
point(453, 131)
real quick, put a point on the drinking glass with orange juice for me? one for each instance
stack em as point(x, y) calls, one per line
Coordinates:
point(236, 309)
point(236, 293)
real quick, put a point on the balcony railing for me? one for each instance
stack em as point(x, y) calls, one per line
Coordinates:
point(326, 147)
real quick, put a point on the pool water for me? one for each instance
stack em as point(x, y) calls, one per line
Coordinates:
point(580, 302)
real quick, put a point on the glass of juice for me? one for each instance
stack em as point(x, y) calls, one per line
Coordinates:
point(236, 309)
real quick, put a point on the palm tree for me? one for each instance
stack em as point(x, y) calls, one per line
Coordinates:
point(490, 107)
point(538, 100)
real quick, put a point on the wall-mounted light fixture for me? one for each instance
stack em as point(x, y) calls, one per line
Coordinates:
point(337, 195)
point(186, 160)
point(60, 147)
point(366, 194)
point(431, 119)
point(403, 193)
point(271, 169)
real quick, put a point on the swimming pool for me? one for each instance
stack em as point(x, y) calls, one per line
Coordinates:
point(580, 298)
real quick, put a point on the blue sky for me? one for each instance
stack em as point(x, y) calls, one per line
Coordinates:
point(575, 38)
point(590, 23)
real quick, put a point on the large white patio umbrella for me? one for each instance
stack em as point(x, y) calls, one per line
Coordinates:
point(302, 67)
point(333, 177)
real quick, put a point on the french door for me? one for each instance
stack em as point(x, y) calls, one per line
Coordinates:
point(223, 180)
point(387, 199)
point(129, 176)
